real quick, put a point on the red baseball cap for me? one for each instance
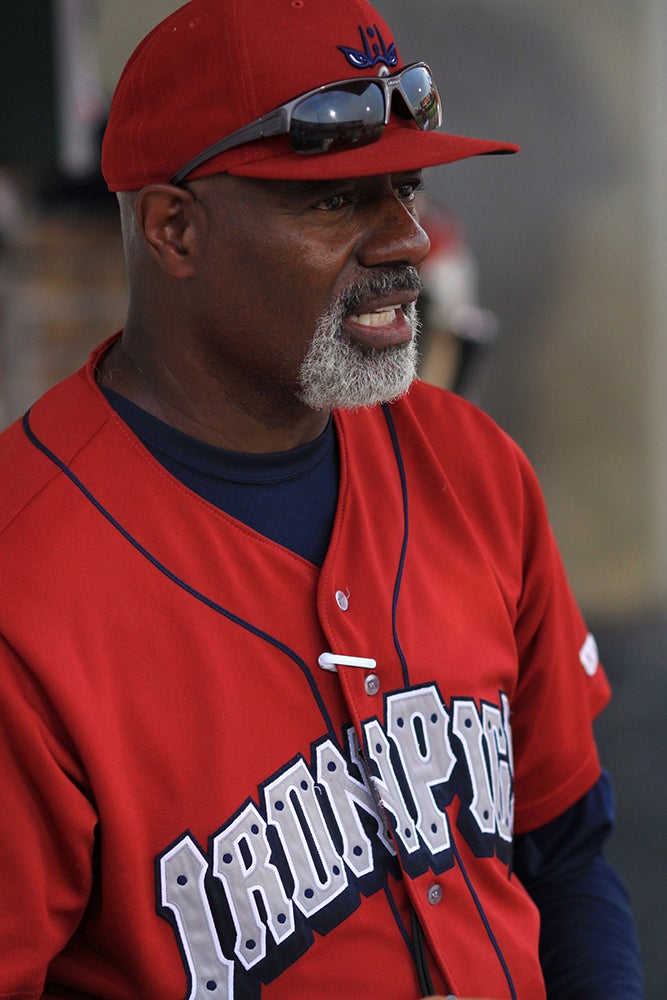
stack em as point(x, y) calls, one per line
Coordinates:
point(214, 66)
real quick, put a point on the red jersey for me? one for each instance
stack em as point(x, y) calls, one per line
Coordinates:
point(196, 803)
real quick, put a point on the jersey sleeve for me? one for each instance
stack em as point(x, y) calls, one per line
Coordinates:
point(561, 684)
point(47, 825)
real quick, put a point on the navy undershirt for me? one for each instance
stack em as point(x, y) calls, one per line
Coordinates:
point(289, 496)
point(588, 945)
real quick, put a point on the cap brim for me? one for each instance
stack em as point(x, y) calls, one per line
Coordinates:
point(400, 149)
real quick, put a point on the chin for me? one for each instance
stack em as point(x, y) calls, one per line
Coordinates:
point(372, 380)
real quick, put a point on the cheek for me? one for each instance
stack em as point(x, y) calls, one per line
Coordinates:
point(275, 280)
point(292, 281)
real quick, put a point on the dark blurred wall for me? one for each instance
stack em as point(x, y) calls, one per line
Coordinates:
point(28, 132)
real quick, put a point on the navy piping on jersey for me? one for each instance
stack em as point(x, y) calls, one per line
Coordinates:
point(406, 678)
point(404, 546)
point(209, 602)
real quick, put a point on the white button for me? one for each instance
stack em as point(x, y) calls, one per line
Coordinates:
point(342, 600)
point(434, 894)
point(372, 684)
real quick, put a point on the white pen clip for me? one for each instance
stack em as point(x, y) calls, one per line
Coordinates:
point(328, 661)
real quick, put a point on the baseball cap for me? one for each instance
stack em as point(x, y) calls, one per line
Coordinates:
point(214, 66)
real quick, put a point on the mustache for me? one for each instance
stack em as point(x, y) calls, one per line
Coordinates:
point(379, 283)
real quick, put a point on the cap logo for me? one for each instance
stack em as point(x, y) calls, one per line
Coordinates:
point(374, 51)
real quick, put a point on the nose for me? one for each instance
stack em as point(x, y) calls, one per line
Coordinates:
point(393, 235)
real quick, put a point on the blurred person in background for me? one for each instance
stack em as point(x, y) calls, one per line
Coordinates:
point(456, 332)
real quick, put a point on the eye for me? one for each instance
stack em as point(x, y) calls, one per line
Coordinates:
point(333, 202)
point(407, 190)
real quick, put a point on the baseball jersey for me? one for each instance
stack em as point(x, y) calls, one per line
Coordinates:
point(228, 773)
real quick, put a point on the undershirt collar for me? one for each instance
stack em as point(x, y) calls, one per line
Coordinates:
point(289, 496)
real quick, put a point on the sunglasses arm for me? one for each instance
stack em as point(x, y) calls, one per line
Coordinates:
point(275, 123)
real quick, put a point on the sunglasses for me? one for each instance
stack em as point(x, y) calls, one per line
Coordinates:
point(339, 115)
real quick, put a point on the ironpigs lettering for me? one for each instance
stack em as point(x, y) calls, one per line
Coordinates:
point(326, 833)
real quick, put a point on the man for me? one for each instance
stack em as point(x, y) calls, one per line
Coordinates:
point(293, 704)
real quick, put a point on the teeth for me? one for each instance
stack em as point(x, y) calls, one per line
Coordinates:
point(380, 318)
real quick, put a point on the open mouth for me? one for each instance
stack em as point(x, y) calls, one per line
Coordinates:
point(379, 317)
point(379, 310)
point(385, 326)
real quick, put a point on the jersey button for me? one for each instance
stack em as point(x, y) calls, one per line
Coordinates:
point(342, 600)
point(372, 684)
point(434, 894)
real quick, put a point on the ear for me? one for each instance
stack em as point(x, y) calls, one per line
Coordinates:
point(166, 217)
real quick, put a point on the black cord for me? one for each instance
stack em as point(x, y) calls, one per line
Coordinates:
point(419, 945)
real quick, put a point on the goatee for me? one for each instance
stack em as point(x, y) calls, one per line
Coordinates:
point(339, 373)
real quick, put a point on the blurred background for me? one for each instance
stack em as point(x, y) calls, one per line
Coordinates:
point(556, 259)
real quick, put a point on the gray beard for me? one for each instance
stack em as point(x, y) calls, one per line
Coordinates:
point(336, 372)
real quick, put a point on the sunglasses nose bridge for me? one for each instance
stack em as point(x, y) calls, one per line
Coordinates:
point(398, 103)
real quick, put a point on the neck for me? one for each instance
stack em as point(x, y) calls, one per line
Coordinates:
point(222, 410)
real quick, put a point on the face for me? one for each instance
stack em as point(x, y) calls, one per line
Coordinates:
point(309, 287)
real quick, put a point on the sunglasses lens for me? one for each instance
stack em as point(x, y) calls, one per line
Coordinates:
point(338, 118)
point(422, 97)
